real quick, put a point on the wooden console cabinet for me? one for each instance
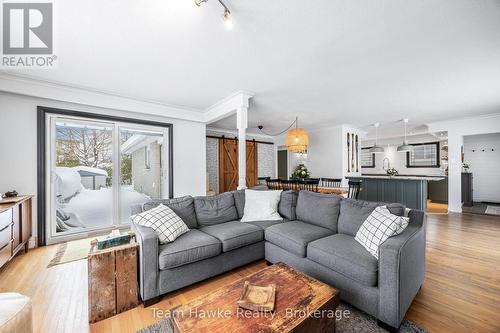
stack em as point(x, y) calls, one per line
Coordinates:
point(112, 281)
point(15, 226)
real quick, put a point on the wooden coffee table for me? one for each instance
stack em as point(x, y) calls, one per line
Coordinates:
point(303, 304)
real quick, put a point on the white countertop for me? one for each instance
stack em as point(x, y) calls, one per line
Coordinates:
point(436, 178)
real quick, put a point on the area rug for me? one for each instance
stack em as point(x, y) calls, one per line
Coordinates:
point(71, 251)
point(355, 322)
point(493, 210)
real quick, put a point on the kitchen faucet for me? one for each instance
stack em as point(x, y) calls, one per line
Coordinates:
point(388, 163)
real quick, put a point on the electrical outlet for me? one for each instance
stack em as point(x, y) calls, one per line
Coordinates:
point(32, 243)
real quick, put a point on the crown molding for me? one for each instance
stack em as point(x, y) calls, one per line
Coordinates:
point(23, 85)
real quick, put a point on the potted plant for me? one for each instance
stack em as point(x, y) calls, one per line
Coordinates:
point(392, 172)
point(301, 172)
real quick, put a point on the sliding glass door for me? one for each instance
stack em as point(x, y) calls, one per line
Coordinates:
point(98, 170)
point(141, 166)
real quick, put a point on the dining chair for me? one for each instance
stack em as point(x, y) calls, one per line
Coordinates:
point(274, 184)
point(309, 185)
point(263, 180)
point(354, 189)
point(331, 182)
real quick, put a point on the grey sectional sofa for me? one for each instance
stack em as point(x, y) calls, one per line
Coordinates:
point(316, 237)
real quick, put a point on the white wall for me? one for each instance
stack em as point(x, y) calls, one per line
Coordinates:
point(484, 165)
point(398, 161)
point(18, 160)
point(324, 156)
point(327, 154)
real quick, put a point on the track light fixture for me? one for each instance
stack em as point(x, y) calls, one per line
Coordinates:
point(226, 16)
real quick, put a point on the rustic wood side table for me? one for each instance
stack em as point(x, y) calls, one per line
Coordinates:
point(112, 281)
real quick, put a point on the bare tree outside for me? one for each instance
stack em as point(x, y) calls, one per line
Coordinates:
point(83, 146)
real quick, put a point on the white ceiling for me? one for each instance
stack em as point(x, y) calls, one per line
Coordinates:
point(329, 62)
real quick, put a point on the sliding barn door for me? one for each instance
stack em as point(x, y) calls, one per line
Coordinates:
point(251, 163)
point(228, 164)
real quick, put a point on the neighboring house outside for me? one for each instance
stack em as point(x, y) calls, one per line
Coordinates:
point(146, 164)
point(92, 178)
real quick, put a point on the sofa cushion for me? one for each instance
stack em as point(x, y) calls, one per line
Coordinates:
point(188, 248)
point(288, 204)
point(239, 202)
point(354, 212)
point(319, 209)
point(215, 209)
point(264, 224)
point(295, 235)
point(235, 234)
point(183, 207)
point(341, 253)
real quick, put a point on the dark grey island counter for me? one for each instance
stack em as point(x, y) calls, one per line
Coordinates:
point(408, 190)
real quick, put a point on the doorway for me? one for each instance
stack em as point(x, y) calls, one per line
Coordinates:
point(283, 164)
point(97, 168)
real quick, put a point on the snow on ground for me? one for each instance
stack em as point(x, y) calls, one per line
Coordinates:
point(80, 207)
point(68, 182)
point(94, 208)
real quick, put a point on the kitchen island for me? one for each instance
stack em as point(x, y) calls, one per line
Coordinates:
point(410, 191)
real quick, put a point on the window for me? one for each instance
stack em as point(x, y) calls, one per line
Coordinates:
point(367, 158)
point(95, 171)
point(423, 155)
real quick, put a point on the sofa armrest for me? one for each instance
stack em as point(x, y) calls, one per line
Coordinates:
point(148, 261)
point(401, 269)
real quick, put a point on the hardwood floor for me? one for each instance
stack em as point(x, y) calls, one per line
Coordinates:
point(461, 292)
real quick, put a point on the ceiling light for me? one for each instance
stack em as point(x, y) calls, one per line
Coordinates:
point(228, 21)
point(405, 147)
point(226, 16)
point(376, 149)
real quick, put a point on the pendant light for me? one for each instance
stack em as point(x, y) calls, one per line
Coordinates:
point(405, 147)
point(296, 139)
point(376, 149)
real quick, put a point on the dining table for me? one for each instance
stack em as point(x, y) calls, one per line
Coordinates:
point(333, 190)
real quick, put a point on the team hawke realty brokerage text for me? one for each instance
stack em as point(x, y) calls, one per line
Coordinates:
point(27, 35)
point(248, 314)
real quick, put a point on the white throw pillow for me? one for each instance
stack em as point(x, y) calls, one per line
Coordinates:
point(164, 221)
point(403, 223)
point(377, 228)
point(261, 206)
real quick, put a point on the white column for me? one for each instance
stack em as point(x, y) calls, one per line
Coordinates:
point(241, 124)
point(455, 142)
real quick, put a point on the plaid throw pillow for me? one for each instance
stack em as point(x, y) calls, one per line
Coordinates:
point(164, 221)
point(377, 228)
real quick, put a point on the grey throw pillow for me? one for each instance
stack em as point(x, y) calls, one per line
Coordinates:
point(215, 209)
point(318, 209)
point(183, 207)
point(288, 204)
point(354, 212)
point(239, 201)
